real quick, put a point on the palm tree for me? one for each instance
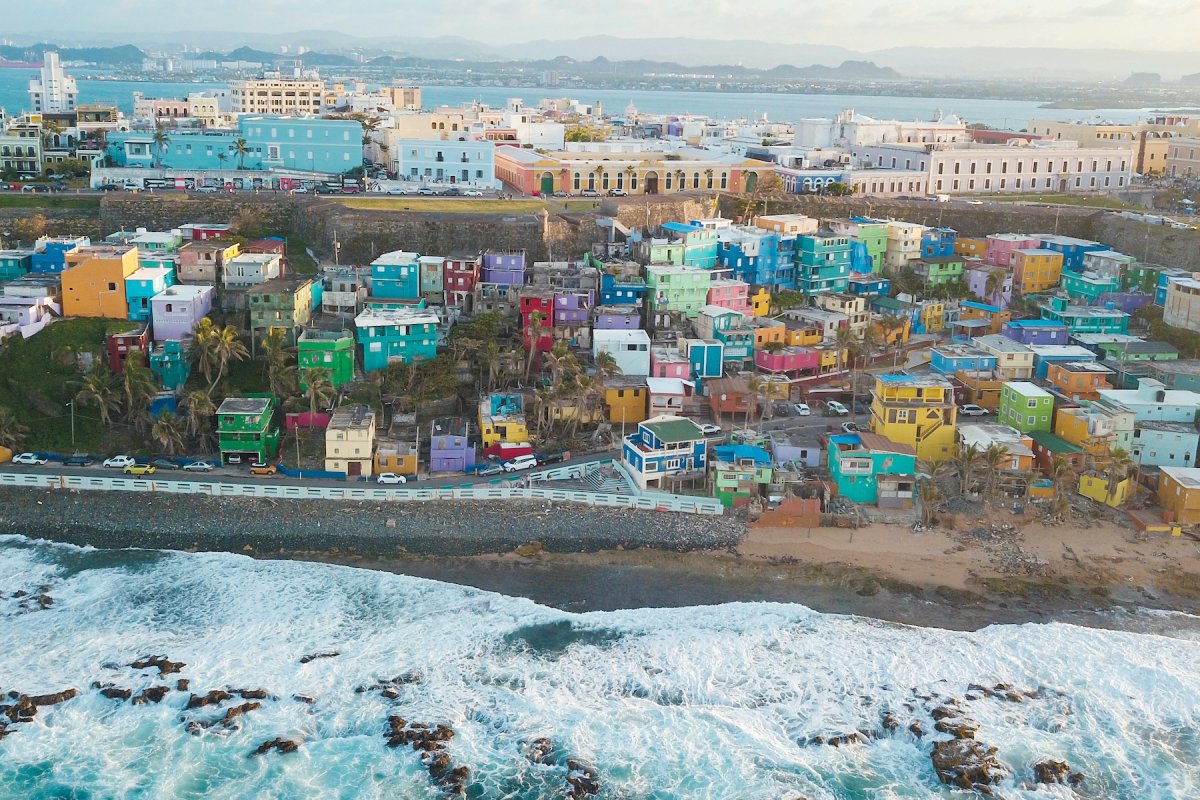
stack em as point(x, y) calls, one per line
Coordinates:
point(281, 376)
point(138, 388)
point(222, 157)
point(843, 340)
point(161, 140)
point(599, 173)
point(215, 348)
point(606, 365)
point(197, 410)
point(928, 495)
point(532, 333)
point(965, 464)
point(241, 149)
point(993, 284)
point(1061, 475)
point(994, 456)
point(168, 432)
point(708, 174)
point(320, 391)
point(99, 389)
point(12, 432)
point(1120, 467)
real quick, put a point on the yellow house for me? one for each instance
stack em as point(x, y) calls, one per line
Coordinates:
point(1179, 494)
point(829, 357)
point(976, 248)
point(898, 334)
point(760, 303)
point(397, 458)
point(933, 316)
point(767, 331)
point(350, 441)
point(1095, 430)
point(803, 333)
point(1035, 270)
point(93, 281)
point(502, 419)
point(627, 400)
point(1096, 487)
point(917, 411)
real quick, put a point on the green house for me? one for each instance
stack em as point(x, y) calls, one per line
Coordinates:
point(939, 269)
point(739, 470)
point(681, 289)
point(170, 364)
point(1026, 407)
point(328, 350)
point(1139, 351)
point(1088, 286)
point(14, 264)
point(246, 428)
point(871, 468)
point(280, 304)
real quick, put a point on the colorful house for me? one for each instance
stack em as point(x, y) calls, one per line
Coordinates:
point(683, 290)
point(1085, 319)
point(917, 411)
point(396, 334)
point(203, 262)
point(939, 271)
point(706, 357)
point(536, 307)
point(502, 267)
point(1079, 380)
point(144, 284)
point(1095, 430)
point(730, 294)
point(981, 387)
point(502, 419)
point(1046, 446)
point(282, 304)
point(1013, 360)
point(740, 471)
point(731, 396)
point(822, 263)
point(626, 399)
point(135, 339)
point(699, 243)
point(869, 468)
point(432, 280)
point(50, 252)
point(170, 364)
point(1017, 446)
point(670, 362)
point(177, 310)
point(868, 239)
point(768, 333)
point(251, 269)
point(1026, 407)
point(332, 351)
point(1165, 444)
point(1138, 351)
point(462, 268)
point(1089, 286)
point(664, 448)
point(666, 396)
point(396, 276)
point(1001, 246)
point(977, 276)
point(994, 316)
point(450, 448)
point(1179, 494)
point(760, 302)
point(609, 318)
point(350, 441)
point(938, 243)
point(14, 264)
point(970, 248)
point(730, 329)
point(1073, 250)
point(1152, 401)
point(1036, 331)
point(93, 281)
point(246, 428)
point(948, 359)
point(630, 349)
point(1036, 270)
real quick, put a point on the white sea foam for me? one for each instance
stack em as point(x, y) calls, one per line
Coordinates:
point(712, 702)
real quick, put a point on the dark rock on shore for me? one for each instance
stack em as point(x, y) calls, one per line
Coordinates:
point(582, 779)
point(237, 711)
point(154, 694)
point(304, 698)
point(250, 694)
point(432, 743)
point(314, 656)
point(116, 693)
point(282, 745)
point(390, 689)
point(164, 666)
point(213, 697)
point(1051, 771)
point(53, 699)
point(182, 684)
point(967, 764)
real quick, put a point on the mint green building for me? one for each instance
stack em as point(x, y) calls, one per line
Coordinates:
point(677, 288)
point(14, 264)
point(871, 468)
point(170, 364)
point(327, 350)
point(939, 270)
point(1026, 407)
point(1088, 286)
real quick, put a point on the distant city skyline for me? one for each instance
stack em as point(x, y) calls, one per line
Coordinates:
point(864, 25)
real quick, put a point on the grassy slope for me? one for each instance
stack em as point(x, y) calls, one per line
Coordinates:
point(465, 205)
point(49, 201)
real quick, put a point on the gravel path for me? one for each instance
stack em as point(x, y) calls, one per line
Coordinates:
point(120, 519)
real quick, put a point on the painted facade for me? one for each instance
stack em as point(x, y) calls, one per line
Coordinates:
point(918, 412)
point(177, 310)
point(1026, 407)
point(93, 281)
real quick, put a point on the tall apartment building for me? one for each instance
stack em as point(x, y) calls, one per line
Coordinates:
point(53, 90)
point(277, 96)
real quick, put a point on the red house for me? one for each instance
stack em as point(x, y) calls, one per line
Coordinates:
point(460, 273)
point(271, 244)
point(789, 360)
point(541, 302)
point(120, 345)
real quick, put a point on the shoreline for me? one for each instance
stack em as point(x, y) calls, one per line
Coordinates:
point(583, 559)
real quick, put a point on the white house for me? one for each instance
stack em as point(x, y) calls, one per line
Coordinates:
point(629, 348)
point(463, 162)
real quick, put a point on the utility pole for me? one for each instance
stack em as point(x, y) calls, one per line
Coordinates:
point(71, 405)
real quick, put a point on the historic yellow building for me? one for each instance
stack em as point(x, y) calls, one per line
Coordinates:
point(919, 412)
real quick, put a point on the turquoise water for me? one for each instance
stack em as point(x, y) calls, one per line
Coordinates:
point(717, 702)
point(780, 107)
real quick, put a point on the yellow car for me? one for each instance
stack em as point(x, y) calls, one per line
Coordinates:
point(139, 469)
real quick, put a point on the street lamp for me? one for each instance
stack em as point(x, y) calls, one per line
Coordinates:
point(71, 405)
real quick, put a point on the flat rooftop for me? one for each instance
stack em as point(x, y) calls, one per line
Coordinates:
point(244, 405)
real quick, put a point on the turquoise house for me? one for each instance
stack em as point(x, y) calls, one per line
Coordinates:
point(870, 468)
point(1085, 319)
point(396, 276)
point(142, 286)
point(700, 244)
point(399, 334)
point(15, 263)
point(1026, 407)
point(1088, 286)
point(170, 364)
point(822, 263)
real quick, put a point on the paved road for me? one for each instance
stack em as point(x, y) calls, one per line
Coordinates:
point(235, 475)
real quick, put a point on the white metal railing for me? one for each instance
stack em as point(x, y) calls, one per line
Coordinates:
point(659, 501)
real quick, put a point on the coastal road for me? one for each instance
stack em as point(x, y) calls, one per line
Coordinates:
point(235, 475)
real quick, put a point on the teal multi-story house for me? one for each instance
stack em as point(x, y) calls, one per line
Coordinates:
point(822, 263)
point(15, 263)
point(1085, 319)
point(871, 468)
point(1026, 407)
point(142, 286)
point(402, 334)
point(1089, 286)
point(730, 329)
point(170, 364)
point(699, 243)
point(308, 144)
point(396, 276)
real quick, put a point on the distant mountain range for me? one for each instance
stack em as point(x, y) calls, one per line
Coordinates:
point(669, 54)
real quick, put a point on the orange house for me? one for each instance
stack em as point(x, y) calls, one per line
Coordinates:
point(1079, 380)
point(976, 248)
point(93, 281)
point(767, 331)
point(1035, 270)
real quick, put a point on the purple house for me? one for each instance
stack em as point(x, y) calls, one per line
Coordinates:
point(976, 278)
point(177, 310)
point(506, 269)
point(1128, 302)
point(572, 307)
point(1036, 331)
point(449, 450)
point(616, 318)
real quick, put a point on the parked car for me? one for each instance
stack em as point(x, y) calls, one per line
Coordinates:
point(618, 193)
point(526, 461)
point(849, 427)
point(165, 463)
point(972, 410)
point(29, 458)
point(549, 458)
point(486, 469)
point(109, 187)
point(708, 429)
point(472, 193)
point(233, 458)
point(198, 466)
point(207, 189)
point(801, 409)
point(300, 190)
point(263, 468)
point(451, 192)
point(78, 460)
point(560, 193)
point(389, 478)
point(837, 408)
point(139, 469)
point(426, 191)
point(352, 188)
point(589, 193)
point(119, 462)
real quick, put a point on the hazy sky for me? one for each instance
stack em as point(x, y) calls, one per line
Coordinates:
point(856, 24)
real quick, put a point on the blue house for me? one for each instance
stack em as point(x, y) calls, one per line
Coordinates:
point(1164, 278)
point(950, 358)
point(143, 285)
point(938, 243)
point(396, 276)
point(706, 356)
point(868, 285)
point(50, 253)
point(665, 447)
point(758, 257)
point(1073, 250)
point(1046, 354)
point(621, 292)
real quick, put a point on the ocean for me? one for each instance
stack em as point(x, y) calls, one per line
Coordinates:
point(779, 107)
point(724, 702)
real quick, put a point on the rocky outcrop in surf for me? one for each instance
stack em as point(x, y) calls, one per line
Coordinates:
point(280, 745)
point(431, 743)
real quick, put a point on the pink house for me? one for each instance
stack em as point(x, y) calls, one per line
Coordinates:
point(788, 360)
point(731, 294)
point(1001, 246)
point(668, 362)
